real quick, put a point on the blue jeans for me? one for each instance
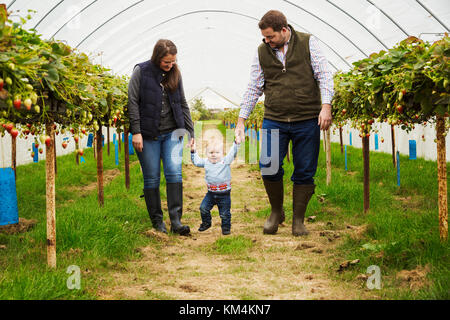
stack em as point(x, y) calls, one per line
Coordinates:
point(223, 202)
point(305, 136)
point(168, 148)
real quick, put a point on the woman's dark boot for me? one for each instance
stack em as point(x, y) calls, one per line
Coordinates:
point(301, 196)
point(175, 206)
point(153, 202)
point(274, 190)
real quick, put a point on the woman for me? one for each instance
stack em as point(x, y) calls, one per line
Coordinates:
point(157, 109)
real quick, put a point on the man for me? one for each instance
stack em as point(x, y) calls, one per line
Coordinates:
point(290, 69)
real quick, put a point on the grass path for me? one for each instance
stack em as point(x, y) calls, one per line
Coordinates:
point(243, 265)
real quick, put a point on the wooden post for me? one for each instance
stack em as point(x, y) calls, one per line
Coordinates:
point(101, 200)
point(341, 140)
point(442, 178)
point(54, 147)
point(127, 159)
point(394, 159)
point(77, 146)
point(366, 155)
point(328, 154)
point(14, 155)
point(107, 139)
point(50, 198)
point(95, 144)
point(324, 142)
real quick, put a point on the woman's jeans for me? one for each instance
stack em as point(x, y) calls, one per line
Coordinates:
point(223, 202)
point(305, 136)
point(169, 148)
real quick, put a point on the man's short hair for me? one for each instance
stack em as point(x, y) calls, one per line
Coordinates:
point(273, 19)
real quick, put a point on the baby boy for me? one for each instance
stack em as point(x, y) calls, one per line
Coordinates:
point(218, 180)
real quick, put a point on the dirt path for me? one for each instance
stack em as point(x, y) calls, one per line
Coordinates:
point(266, 267)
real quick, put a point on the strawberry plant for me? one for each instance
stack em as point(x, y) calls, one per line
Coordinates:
point(403, 86)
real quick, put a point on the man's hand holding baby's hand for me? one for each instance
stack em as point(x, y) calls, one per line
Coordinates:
point(192, 145)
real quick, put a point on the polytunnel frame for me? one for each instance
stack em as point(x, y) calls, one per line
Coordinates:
point(328, 25)
point(225, 11)
point(247, 16)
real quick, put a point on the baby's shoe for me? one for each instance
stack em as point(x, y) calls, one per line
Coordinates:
point(204, 226)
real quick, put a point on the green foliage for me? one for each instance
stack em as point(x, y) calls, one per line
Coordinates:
point(256, 117)
point(405, 86)
point(46, 80)
point(200, 111)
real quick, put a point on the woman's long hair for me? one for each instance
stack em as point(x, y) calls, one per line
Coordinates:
point(162, 48)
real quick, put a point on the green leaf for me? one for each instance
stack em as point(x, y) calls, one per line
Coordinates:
point(419, 65)
point(52, 75)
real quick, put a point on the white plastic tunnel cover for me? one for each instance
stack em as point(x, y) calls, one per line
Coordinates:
point(217, 39)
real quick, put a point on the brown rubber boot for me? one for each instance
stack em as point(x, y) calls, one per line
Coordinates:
point(274, 190)
point(301, 196)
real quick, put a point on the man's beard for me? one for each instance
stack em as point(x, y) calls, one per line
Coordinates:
point(281, 44)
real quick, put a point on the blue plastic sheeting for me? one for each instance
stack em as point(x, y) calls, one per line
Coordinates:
point(116, 151)
point(36, 153)
point(351, 142)
point(376, 141)
point(412, 150)
point(90, 140)
point(9, 214)
point(130, 144)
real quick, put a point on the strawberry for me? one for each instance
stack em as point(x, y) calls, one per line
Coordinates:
point(17, 103)
point(27, 103)
point(9, 127)
point(14, 133)
point(48, 141)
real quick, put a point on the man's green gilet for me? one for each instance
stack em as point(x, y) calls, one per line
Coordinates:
point(291, 92)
